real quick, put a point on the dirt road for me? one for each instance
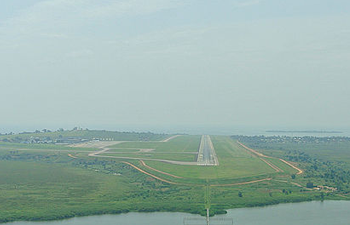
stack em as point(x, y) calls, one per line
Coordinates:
point(151, 168)
point(170, 138)
point(261, 156)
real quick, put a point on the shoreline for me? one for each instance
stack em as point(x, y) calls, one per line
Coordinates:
point(219, 211)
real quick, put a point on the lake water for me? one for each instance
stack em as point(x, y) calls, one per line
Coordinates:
point(320, 213)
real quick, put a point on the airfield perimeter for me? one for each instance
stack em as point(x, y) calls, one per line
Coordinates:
point(143, 172)
point(190, 159)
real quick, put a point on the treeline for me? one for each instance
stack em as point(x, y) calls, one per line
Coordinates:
point(258, 140)
point(333, 173)
point(78, 135)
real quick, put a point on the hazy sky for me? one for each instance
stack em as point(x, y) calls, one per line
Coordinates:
point(269, 63)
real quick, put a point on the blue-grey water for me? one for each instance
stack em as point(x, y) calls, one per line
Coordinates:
point(320, 213)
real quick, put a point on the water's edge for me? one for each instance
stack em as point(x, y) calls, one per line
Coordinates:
point(219, 212)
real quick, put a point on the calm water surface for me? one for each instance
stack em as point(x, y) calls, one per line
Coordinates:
point(320, 213)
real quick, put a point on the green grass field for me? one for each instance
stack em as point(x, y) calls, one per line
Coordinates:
point(32, 190)
point(235, 161)
point(184, 143)
point(18, 146)
point(166, 156)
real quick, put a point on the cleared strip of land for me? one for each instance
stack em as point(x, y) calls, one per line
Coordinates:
point(51, 150)
point(105, 152)
point(213, 185)
point(95, 144)
point(206, 153)
point(291, 165)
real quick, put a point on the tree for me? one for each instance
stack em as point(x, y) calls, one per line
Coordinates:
point(293, 176)
point(240, 194)
point(310, 185)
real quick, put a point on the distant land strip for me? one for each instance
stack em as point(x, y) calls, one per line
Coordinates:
point(305, 131)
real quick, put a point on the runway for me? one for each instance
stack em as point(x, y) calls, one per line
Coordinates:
point(206, 153)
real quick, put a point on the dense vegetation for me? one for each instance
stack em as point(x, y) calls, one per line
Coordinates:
point(36, 187)
point(324, 159)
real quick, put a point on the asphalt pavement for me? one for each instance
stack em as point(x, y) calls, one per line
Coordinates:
point(206, 153)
